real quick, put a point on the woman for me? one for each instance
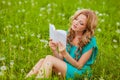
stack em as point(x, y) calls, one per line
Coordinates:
point(80, 51)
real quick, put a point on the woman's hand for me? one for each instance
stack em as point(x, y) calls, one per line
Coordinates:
point(52, 45)
point(61, 48)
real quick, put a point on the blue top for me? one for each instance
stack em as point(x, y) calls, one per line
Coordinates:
point(71, 70)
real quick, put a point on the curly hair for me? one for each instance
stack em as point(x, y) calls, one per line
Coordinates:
point(88, 32)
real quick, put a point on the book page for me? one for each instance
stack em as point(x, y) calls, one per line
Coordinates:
point(57, 35)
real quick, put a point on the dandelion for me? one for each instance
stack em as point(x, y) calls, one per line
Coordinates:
point(115, 46)
point(16, 35)
point(23, 10)
point(118, 23)
point(118, 30)
point(14, 46)
point(11, 35)
point(38, 36)
point(22, 70)
point(3, 68)
point(114, 40)
point(2, 58)
point(19, 11)
point(22, 48)
point(49, 5)
point(21, 37)
point(3, 40)
point(40, 15)
point(9, 3)
point(17, 26)
point(1, 74)
point(102, 20)
point(99, 30)
point(3, 2)
point(32, 34)
point(100, 14)
point(42, 9)
point(11, 63)
point(19, 2)
point(101, 78)
point(44, 41)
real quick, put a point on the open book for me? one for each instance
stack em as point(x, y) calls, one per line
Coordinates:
point(57, 35)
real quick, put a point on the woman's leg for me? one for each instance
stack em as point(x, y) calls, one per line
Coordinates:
point(35, 68)
point(48, 64)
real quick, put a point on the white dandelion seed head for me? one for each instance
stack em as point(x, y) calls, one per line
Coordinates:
point(42, 8)
point(49, 5)
point(2, 58)
point(40, 15)
point(118, 30)
point(99, 30)
point(9, 3)
point(44, 41)
point(1, 73)
point(3, 68)
point(23, 10)
point(11, 62)
point(118, 23)
point(114, 40)
point(19, 11)
point(3, 2)
point(39, 35)
point(115, 46)
point(32, 34)
point(22, 48)
point(100, 14)
point(3, 40)
point(22, 37)
point(19, 2)
point(22, 70)
point(17, 26)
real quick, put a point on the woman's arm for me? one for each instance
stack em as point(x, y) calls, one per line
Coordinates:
point(56, 54)
point(80, 63)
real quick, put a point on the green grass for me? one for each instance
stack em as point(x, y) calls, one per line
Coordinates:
point(23, 23)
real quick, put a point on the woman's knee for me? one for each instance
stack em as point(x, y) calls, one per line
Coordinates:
point(49, 57)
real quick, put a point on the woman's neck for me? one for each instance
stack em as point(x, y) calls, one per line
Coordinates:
point(78, 33)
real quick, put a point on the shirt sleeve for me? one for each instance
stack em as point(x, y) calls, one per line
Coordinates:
point(90, 45)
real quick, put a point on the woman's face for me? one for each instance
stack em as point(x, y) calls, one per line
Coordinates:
point(79, 24)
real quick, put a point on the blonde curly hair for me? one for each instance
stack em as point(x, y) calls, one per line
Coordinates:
point(90, 27)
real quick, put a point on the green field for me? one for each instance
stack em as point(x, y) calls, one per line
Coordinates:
point(24, 28)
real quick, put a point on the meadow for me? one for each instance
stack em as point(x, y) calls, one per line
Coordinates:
point(24, 34)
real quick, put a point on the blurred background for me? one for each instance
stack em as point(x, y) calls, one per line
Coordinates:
point(24, 34)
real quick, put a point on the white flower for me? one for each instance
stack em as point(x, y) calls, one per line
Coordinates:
point(17, 26)
point(32, 34)
point(99, 30)
point(21, 37)
point(118, 30)
point(39, 35)
point(1, 74)
point(44, 41)
point(3, 40)
point(115, 46)
point(19, 11)
point(49, 5)
point(100, 14)
point(101, 78)
point(102, 20)
point(114, 40)
point(14, 46)
point(23, 10)
point(9, 3)
point(22, 48)
point(3, 68)
point(11, 35)
point(22, 70)
point(16, 35)
point(11, 62)
point(42, 8)
point(118, 23)
point(20, 2)
point(40, 15)
point(3, 2)
point(2, 58)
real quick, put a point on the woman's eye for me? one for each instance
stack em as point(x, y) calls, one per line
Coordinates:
point(81, 23)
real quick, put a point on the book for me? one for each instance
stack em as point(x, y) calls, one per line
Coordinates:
point(57, 35)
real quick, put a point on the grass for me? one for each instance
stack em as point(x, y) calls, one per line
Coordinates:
point(24, 23)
